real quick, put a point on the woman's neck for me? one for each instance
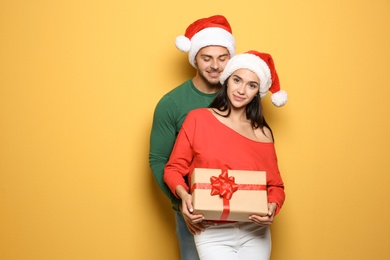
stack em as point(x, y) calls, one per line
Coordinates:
point(236, 115)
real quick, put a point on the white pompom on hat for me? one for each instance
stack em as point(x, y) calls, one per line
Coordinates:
point(211, 31)
point(263, 66)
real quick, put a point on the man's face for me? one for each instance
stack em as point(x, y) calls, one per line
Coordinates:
point(210, 62)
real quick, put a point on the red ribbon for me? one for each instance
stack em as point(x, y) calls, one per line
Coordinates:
point(225, 186)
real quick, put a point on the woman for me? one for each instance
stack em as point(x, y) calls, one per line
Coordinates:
point(232, 134)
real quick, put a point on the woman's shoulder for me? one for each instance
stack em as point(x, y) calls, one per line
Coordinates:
point(268, 133)
point(264, 135)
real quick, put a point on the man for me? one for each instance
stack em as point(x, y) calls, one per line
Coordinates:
point(210, 44)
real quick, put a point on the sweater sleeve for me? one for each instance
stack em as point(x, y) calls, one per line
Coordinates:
point(181, 157)
point(162, 139)
point(275, 185)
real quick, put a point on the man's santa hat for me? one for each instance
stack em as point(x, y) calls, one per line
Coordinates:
point(263, 66)
point(214, 30)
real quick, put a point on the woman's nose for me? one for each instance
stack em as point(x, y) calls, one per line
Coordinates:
point(241, 89)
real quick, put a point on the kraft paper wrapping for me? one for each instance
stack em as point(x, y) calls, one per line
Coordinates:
point(248, 199)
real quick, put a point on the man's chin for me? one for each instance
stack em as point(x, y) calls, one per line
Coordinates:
point(213, 81)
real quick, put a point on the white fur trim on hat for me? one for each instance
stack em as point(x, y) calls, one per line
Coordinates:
point(253, 63)
point(211, 36)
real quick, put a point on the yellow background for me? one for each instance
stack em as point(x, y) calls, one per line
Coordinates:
point(79, 81)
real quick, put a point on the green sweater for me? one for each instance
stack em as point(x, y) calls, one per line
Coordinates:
point(168, 117)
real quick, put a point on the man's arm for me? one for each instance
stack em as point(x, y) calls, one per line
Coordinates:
point(162, 139)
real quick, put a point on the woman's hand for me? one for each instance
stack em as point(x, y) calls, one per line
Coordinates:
point(187, 209)
point(194, 228)
point(265, 220)
point(193, 222)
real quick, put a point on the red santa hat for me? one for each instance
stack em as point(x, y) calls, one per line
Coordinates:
point(213, 30)
point(263, 66)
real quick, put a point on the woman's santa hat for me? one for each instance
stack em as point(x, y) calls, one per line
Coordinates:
point(214, 30)
point(263, 66)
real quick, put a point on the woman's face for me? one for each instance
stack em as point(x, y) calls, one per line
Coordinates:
point(243, 85)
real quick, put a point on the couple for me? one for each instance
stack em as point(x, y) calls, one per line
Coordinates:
point(224, 98)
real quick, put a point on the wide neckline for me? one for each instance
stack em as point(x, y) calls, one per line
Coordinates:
point(214, 115)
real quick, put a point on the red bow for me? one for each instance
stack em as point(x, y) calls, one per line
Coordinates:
point(223, 185)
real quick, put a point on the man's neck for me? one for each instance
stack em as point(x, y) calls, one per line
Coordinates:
point(204, 86)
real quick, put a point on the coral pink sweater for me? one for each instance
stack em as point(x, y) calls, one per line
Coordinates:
point(205, 142)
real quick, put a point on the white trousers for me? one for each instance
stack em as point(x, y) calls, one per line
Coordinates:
point(240, 240)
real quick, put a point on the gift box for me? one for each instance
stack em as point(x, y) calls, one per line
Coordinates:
point(229, 195)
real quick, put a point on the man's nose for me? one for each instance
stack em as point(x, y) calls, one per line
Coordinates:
point(215, 64)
